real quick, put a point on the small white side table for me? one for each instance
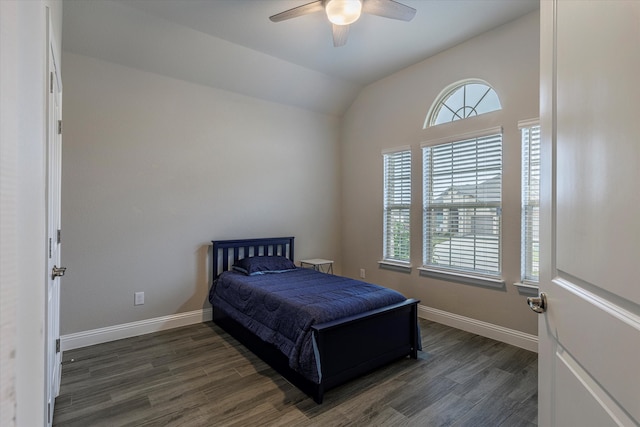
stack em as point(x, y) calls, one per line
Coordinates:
point(318, 264)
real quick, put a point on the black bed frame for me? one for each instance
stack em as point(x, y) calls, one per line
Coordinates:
point(347, 348)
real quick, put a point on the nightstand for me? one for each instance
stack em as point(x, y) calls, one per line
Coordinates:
point(318, 264)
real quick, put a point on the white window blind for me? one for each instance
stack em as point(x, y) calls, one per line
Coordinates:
point(462, 186)
point(397, 205)
point(530, 251)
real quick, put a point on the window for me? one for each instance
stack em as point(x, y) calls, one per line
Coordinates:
point(462, 187)
point(466, 99)
point(397, 204)
point(530, 252)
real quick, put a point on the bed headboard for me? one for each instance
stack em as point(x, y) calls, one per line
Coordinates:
point(226, 252)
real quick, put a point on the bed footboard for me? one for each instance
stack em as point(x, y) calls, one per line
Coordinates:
point(353, 346)
point(347, 348)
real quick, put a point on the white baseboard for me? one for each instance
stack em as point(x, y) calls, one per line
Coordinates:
point(489, 330)
point(127, 330)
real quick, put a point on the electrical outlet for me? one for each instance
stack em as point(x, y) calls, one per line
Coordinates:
point(138, 298)
point(362, 275)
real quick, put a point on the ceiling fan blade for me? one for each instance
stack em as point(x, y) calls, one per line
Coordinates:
point(305, 9)
point(340, 34)
point(389, 9)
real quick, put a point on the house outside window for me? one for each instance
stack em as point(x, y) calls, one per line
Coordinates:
point(462, 195)
point(397, 205)
point(530, 208)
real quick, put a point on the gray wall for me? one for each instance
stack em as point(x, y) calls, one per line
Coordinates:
point(154, 168)
point(391, 113)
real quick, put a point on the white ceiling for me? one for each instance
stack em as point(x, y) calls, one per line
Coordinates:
point(232, 45)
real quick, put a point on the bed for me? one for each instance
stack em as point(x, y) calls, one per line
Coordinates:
point(313, 338)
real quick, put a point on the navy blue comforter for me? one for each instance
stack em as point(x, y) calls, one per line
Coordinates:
point(281, 308)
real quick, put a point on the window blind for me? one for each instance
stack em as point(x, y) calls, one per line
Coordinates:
point(462, 193)
point(530, 241)
point(397, 205)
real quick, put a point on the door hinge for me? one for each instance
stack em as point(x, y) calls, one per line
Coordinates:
point(51, 82)
point(59, 127)
point(58, 345)
point(59, 236)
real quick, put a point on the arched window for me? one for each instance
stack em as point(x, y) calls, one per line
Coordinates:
point(461, 100)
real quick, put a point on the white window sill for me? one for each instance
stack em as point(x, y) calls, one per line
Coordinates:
point(404, 267)
point(527, 289)
point(467, 279)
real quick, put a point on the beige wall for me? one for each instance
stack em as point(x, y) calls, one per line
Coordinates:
point(154, 168)
point(391, 113)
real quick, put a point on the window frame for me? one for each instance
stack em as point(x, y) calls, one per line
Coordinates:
point(461, 274)
point(448, 92)
point(389, 257)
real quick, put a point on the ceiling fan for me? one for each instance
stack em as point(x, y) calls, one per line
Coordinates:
point(342, 13)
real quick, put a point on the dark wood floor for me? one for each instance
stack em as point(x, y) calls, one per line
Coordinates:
point(199, 376)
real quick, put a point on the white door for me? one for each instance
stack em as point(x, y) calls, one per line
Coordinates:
point(589, 352)
point(54, 163)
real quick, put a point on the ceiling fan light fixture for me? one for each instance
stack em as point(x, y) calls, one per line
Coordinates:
point(343, 12)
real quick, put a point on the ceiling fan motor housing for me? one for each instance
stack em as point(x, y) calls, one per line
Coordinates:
point(343, 12)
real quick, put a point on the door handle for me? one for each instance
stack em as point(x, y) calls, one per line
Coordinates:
point(538, 304)
point(57, 272)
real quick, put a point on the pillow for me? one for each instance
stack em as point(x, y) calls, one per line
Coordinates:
point(263, 265)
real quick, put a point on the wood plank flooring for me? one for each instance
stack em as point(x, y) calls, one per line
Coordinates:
point(199, 376)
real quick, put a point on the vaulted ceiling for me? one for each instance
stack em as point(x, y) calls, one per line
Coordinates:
point(232, 45)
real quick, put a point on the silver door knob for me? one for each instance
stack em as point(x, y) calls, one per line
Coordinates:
point(57, 272)
point(538, 304)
